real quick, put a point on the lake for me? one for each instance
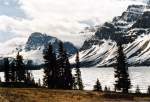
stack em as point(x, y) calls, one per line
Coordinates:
point(138, 75)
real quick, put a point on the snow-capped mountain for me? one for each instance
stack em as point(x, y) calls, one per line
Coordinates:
point(38, 41)
point(36, 44)
point(33, 48)
point(124, 25)
point(131, 28)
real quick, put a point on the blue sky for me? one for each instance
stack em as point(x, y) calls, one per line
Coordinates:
point(63, 18)
point(11, 8)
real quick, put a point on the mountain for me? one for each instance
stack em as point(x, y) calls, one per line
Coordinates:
point(38, 41)
point(33, 48)
point(123, 26)
point(36, 44)
point(132, 28)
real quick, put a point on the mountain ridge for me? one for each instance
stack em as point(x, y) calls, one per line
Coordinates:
point(132, 28)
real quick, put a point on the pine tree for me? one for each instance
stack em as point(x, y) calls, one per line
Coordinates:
point(65, 71)
point(28, 78)
point(105, 89)
point(137, 91)
point(148, 90)
point(33, 81)
point(39, 83)
point(20, 69)
point(6, 70)
point(121, 71)
point(97, 86)
point(50, 79)
point(13, 72)
point(60, 67)
point(78, 80)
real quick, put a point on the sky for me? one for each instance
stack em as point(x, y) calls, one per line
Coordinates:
point(60, 18)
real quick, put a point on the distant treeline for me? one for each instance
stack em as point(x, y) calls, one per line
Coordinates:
point(29, 65)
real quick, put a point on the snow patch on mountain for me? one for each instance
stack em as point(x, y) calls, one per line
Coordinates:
point(98, 54)
point(141, 51)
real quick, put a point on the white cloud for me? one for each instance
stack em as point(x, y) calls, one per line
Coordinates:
point(61, 18)
point(8, 47)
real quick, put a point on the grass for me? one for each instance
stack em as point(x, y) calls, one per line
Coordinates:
point(47, 95)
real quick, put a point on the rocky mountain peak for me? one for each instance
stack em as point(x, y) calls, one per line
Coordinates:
point(36, 34)
point(38, 41)
point(136, 8)
point(132, 13)
point(143, 21)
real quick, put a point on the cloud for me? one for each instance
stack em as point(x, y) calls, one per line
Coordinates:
point(8, 48)
point(61, 18)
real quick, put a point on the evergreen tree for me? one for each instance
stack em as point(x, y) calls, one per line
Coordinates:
point(6, 70)
point(13, 72)
point(137, 91)
point(148, 90)
point(121, 71)
point(39, 83)
point(65, 71)
point(78, 80)
point(97, 86)
point(60, 62)
point(33, 81)
point(105, 89)
point(20, 69)
point(28, 78)
point(68, 78)
point(50, 80)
